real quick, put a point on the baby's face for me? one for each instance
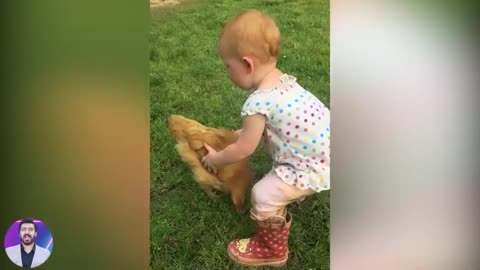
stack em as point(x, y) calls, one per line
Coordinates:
point(239, 72)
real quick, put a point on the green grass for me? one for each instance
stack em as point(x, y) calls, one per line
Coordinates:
point(187, 77)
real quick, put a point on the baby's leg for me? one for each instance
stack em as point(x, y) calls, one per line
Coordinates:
point(271, 195)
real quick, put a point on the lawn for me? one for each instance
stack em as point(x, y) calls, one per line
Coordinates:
point(187, 77)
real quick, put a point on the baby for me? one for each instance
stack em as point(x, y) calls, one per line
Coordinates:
point(294, 126)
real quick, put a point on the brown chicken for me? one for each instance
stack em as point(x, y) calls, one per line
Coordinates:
point(232, 179)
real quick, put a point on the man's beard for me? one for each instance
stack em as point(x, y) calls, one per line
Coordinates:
point(27, 240)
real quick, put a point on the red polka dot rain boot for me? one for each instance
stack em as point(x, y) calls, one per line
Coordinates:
point(268, 248)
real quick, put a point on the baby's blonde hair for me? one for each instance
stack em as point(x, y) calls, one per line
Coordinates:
point(251, 33)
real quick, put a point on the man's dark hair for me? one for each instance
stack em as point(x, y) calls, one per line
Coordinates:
point(27, 221)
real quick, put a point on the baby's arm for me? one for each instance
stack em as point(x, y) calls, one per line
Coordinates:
point(250, 136)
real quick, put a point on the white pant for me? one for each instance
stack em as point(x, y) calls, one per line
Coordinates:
point(271, 195)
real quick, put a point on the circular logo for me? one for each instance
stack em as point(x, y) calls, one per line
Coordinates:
point(28, 242)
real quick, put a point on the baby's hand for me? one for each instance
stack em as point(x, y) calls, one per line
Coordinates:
point(208, 160)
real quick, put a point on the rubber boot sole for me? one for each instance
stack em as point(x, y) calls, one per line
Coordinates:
point(266, 262)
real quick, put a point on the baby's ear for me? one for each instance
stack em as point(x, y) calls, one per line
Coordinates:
point(249, 63)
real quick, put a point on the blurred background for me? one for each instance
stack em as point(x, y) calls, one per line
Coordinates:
point(405, 129)
point(75, 131)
